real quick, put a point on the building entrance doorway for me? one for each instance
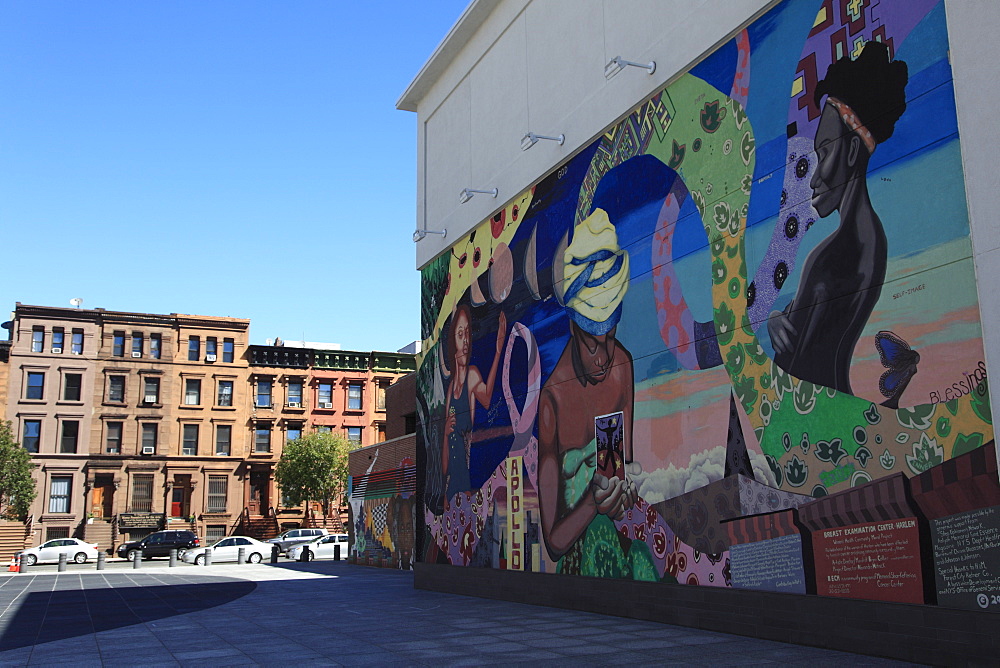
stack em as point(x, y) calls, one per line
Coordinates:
point(180, 497)
point(103, 496)
point(259, 485)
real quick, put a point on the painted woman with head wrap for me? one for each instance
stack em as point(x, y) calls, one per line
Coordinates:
point(590, 391)
point(814, 337)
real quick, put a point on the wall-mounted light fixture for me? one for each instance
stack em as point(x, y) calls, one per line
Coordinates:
point(418, 235)
point(617, 64)
point(467, 194)
point(531, 139)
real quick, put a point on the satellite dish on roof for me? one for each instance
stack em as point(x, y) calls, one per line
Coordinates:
point(76, 301)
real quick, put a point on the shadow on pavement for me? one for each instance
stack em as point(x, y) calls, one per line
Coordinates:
point(38, 613)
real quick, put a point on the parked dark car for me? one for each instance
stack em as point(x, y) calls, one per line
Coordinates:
point(160, 543)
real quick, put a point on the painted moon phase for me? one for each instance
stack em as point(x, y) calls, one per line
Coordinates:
point(501, 273)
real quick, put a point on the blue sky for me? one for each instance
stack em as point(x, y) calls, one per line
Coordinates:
point(218, 158)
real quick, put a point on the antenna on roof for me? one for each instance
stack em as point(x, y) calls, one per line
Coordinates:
point(76, 301)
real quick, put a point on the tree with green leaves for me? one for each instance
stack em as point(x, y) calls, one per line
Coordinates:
point(314, 468)
point(17, 487)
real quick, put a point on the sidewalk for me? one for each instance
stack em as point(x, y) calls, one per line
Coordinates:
point(331, 613)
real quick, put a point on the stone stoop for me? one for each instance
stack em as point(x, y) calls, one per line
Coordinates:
point(99, 531)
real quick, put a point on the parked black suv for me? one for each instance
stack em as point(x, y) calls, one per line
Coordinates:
point(160, 543)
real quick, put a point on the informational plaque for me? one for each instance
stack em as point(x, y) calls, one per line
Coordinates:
point(769, 565)
point(877, 560)
point(967, 559)
point(140, 520)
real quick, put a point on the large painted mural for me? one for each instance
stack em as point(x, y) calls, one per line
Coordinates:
point(735, 341)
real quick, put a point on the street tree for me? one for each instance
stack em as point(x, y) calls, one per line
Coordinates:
point(17, 487)
point(314, 468)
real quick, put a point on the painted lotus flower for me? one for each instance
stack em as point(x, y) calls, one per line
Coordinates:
point(926, 454)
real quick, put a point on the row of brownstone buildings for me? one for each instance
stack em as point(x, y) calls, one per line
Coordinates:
point(139, 421)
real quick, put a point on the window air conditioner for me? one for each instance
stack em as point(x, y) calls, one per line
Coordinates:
point(150, 398)
point(77, 352)
point(57, 351)
point(136, 353)
point(148, 450)
point(295, 404)
point(326, 404)
point(210, 358)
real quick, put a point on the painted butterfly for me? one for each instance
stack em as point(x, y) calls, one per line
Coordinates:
point(901, 362)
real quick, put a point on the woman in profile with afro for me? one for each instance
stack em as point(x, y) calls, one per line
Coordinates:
point(814, 337)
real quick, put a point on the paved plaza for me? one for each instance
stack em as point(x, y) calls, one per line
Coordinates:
point(332, 613)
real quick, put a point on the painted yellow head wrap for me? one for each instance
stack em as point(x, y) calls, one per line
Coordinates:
point(595, 275)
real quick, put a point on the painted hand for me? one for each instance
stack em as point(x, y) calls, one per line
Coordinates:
point(501, 331)
point(609, 495)
point(782, 333)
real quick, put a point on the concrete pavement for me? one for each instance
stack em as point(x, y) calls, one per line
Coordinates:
point(332, 613)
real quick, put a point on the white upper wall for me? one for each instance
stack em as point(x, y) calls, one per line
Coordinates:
point(513, 66)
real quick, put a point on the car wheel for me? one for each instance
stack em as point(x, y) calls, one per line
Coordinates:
point(181, 552)
point(254, 558)
point(80, 558)
point(200, 560)
point(30, 560)
point(130, 555)
point(309, 555)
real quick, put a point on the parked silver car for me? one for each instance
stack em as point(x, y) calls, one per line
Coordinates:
point(297, 537)
point(324, 547)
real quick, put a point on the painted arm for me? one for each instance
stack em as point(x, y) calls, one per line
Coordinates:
point(449, 426)
point(560, 527)
point(484, 391)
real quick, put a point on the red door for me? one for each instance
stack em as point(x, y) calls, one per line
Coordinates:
point(177, 502)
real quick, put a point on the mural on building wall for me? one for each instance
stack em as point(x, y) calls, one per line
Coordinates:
point(735, 341)
point(382, 512)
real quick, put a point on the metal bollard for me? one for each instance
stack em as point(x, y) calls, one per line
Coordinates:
point(101, 558)
point(274, 554)
point(63, 557)
point(173, 558)
point(304, 554)
point(336, 551)
point(23, 566)
point(241, 555)
point(208, 557)
point(137, 559)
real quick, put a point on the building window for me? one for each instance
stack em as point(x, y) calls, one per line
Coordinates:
point(410, 423)
point(325, 392)
point(151, 390)
point(264, 393)
point(36, 385)
point(218, 490)
point(149, 437)
point(190, 444)
point(354, 397)
point(70, 436)
point(32, 435)
point(323, 429)
point(113, 441)
point(295, 393)
point(155, 345)
point(380, 397)
point(262, 438)
point(223, 440)
point(77, 343)
point(58, 338)
point(214, 533)
point(192, 392)
point(37, 339)
point(380, 427)
point(118, 349)
point(354, 434)
point(142, 493)
point(194, 348)
point(228, 348)
point(59, 493)
point(225, 397)
point(55, 533)
point(72, 383)
point(211, 349)
point(293, 432)
point(116, 389)
point(136, 344)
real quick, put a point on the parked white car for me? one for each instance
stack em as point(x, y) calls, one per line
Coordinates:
point(323, 547)
point(228, 549)
point(294, 537)
point(49, 551)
